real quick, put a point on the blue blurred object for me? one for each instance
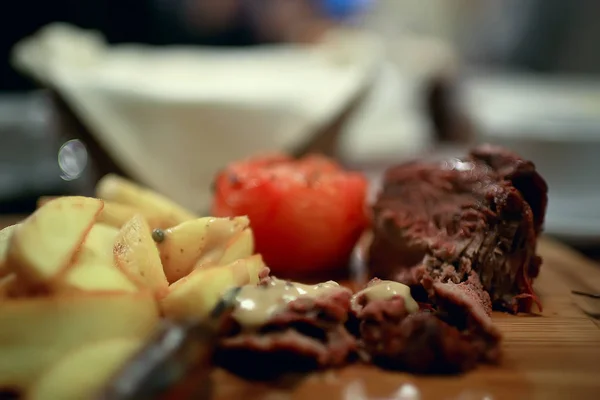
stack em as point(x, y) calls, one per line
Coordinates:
point(344, 9)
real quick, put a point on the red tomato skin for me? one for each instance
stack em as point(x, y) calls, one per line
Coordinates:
point(306, 214)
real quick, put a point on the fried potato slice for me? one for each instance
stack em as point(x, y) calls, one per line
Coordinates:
point(155, 207)
point(5, 237)
point(240, 246)
point(195, 295)
point(95, 269)
point(100, 242)
point(199, 242)
point(94, 277)
point(43, 200)
point(36, 333)
point(13, 287)
point(46, 244)
point(6, 284)
point(116, 214)
point(84, 371)
point(137, 256)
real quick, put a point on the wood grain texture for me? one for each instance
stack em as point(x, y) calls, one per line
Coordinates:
point(551, 355)
point(554, 354)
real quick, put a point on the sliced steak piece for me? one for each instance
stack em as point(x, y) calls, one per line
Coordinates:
point(451, 335)
point(420, 344)
point(283, 327)
point(467, 307)
point(482, 213)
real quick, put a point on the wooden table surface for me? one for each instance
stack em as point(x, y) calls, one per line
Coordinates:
point(552, 355)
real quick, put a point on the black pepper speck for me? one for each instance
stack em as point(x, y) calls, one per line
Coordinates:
point(158, 235)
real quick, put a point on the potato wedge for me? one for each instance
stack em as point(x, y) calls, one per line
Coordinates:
point(94, 277)
point(36, 333)
point(99, 243)
point(137, 257)
point(41, 201)
point(116, 215)
point(84, 371)
point(6, 284)
point(95, 269)
point(223, 243)
point(47, 243)
point(153, 206)
point(198, 242)
point(195, 295)
point(240, 246)
point(5, 236)
point(12, 287)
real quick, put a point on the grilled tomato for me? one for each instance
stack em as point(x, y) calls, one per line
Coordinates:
point(306, 214)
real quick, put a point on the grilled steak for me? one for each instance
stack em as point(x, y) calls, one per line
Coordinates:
point(280, 327)
point(451, 221)
point(450, 335)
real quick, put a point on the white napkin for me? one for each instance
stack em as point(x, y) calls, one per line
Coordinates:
point(171, 117)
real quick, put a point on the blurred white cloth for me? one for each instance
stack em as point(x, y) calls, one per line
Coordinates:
point(171, 117)
point(555, 122)
point(391, 125)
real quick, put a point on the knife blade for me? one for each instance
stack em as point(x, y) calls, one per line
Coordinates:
point(175, 363)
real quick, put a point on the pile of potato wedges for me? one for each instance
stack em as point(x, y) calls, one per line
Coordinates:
point(84, 282)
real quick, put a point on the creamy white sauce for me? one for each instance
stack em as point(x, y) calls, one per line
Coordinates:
point(255, 305)
point(384, 290)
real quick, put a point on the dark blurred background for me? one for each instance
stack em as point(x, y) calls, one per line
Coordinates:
point(34, 123)
point(538, 35)
point(550, 41)
point(158, 22)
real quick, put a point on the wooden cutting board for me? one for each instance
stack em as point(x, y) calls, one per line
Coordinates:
point(551, 355)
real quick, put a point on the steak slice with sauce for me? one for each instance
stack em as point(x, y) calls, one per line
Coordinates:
point(449, 336)
point(281, 327)
point(451, 220)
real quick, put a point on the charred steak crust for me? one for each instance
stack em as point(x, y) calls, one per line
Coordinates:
point(481, 214)
point(308, 334)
